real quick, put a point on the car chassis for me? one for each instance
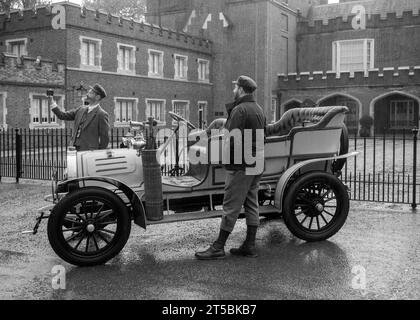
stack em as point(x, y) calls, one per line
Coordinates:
point(89, 219)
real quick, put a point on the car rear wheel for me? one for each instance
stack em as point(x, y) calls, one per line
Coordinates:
point(89, 226)
point(316, 206)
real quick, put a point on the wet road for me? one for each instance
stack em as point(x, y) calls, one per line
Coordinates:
point(376, 255)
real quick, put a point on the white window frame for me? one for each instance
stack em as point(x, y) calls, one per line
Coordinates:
point(98, 55)
point(120, 59)
point(205, 111)
point(336, 55)
point(9, 41)
point(274, 110)
point(58, 123)
point(187, 111)
point(134, 111)
point(184, 76)
point(163, 111)
point(158, 74)
point(3, 98)
point(206, 77)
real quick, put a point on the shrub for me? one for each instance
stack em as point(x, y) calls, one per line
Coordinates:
point(366, 122)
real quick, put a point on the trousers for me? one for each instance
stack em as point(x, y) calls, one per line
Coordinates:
point(240, 190)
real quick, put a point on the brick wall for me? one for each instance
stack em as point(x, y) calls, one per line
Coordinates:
point(21, 77)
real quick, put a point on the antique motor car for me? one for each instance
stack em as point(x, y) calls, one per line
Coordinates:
point(92, 209)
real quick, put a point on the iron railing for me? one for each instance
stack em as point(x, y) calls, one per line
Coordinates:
point(384, 171)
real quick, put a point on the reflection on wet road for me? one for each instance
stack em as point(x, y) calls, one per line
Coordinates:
point(375, 256)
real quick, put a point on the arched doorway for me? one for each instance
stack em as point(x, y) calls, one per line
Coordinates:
point(354, 105)
point(394, 112)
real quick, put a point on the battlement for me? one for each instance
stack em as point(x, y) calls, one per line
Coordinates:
point(406, 75)
point(373, 21)
point(98, 20)
point(31, 70)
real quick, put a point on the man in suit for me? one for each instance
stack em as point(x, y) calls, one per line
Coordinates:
point(91, 127)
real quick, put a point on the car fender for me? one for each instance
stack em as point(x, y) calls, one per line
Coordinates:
point(288, 174)
point(136, 205)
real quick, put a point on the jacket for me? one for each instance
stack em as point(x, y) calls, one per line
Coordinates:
point(244, 114)
point(94, 130)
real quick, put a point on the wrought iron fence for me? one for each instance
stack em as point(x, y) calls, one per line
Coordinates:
point(36, 153)
point(384, 171)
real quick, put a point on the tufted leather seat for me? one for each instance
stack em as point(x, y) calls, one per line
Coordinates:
point(319, 116)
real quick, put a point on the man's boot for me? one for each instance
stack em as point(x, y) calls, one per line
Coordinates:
point(216, 250)
point(247, 249)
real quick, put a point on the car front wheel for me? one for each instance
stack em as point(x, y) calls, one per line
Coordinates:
point(89, 226)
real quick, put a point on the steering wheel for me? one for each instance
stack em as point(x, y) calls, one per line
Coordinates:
point(178, 118)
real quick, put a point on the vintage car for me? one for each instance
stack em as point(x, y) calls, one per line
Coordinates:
point(92, 209)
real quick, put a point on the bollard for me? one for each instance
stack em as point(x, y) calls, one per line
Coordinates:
point(415, 133)
point(152, 179)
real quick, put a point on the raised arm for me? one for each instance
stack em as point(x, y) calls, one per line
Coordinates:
point(62, 115)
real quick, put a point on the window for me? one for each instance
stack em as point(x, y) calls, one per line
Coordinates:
point(17, 47)
point(180, 108)
point(274, 107)
point(156, 108)
point(402, 114)
point(181, 67)
point(41, 114)
point(155, 63)
point(3, 110)
point(284, 22)
point(126, 58)
point(284, 55)
point(90, 53)
point(353, 55)
point(125, 110)
point(202, 114)
point(203, 70)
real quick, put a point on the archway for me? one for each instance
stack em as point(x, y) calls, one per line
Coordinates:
point(291, 104)
point(394, 111)
point(354, 105)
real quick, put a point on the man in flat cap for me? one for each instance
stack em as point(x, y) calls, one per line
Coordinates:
point(91, 127)
point(241, 184)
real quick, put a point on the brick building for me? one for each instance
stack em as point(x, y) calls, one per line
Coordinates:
point(145, 69)
point(24, 81)
point(367, 60)
point(363, 54)
point(253, 37)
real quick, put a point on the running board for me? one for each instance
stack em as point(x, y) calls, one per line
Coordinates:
point(200, 215)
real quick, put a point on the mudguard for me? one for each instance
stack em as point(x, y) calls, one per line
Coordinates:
point(285, 177)
point(136, 205)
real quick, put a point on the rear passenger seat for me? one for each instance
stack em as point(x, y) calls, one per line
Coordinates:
point(310, 118)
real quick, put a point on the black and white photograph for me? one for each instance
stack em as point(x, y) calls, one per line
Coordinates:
point(209, 155)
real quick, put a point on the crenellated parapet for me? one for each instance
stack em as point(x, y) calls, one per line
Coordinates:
point(406, 75)
point(101, 21)
point(36, 71)
point(345, 22)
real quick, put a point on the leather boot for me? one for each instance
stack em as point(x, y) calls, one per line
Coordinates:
point(247, 249)
point(216, 250)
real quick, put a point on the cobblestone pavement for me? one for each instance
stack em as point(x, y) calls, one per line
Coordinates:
point(378, 241)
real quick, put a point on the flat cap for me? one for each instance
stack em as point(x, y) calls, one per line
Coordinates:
point(99, 90)
point(246, 82)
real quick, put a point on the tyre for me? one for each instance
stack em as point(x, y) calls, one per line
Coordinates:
point(344, 148)
point(316, 206)
point(89, 226)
